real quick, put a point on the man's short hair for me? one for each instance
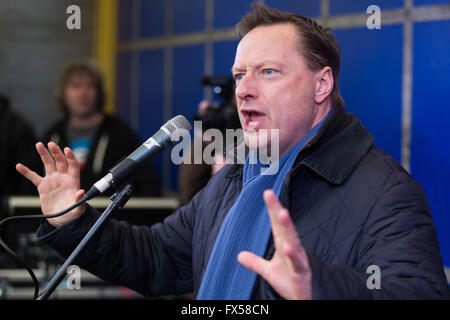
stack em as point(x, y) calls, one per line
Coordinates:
point(81, 67)
point(319, 47)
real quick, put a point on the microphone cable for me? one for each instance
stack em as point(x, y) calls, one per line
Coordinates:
point(20, 261)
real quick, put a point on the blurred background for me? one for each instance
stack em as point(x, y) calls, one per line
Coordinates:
point(154, 52)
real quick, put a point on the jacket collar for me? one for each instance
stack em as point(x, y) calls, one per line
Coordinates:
point(338, 147)
point(335, 151)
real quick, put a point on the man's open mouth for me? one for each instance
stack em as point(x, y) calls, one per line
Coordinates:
point(252, 119)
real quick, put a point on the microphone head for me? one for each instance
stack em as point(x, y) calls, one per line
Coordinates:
point(176, 123)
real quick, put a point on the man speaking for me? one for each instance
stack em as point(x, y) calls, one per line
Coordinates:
point(336, 207)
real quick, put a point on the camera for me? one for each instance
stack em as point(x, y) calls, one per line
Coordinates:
point(220, 115)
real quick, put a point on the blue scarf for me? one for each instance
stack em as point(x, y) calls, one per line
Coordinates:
point(246, 228)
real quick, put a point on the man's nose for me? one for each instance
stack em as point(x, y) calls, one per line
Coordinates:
point(246, 88)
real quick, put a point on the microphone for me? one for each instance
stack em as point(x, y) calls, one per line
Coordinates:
point(126, 168)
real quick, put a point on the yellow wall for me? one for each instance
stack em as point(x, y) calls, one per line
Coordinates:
point(105, 45)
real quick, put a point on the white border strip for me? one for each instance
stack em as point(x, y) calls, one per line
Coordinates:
point(100, 203)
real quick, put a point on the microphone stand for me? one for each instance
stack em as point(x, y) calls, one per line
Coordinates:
point(119, 199)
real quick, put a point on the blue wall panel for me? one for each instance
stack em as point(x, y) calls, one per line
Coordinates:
point(151, 95)
point(224, 53)
point(228, 13)
point(188, 16)
point(360, 6)
point(309, 8)
point(125, 18)
point(371, 74)
point(430, 155)
point(152, 14)
point(123, 85)
point(187, 71)
point(187, 92)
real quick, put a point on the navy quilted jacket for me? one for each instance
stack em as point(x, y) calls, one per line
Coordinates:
point(353, 207)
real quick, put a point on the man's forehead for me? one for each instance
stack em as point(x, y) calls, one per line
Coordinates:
point(271, 44)
point(286, 32)
point(238, 65)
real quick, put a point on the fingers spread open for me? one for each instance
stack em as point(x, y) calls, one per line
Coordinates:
point(271, 200)
point(60, 159)
point(274, 207)
point(74, 167)
point(29, 174)
point(46, 158)
point(255, 263)
point(79, 195)
point(285, 236)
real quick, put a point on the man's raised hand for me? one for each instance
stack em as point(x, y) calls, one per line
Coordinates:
point(60, 187)
point(288, 272)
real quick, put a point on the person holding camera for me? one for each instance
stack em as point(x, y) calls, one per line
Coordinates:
point(193, 176)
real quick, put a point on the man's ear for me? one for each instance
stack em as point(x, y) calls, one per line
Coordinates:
point(324, 84)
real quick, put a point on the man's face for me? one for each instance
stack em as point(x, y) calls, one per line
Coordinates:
point(80, 95)
point(274, 87)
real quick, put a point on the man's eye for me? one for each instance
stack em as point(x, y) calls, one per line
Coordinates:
point(238, 76)
point(269, 72)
